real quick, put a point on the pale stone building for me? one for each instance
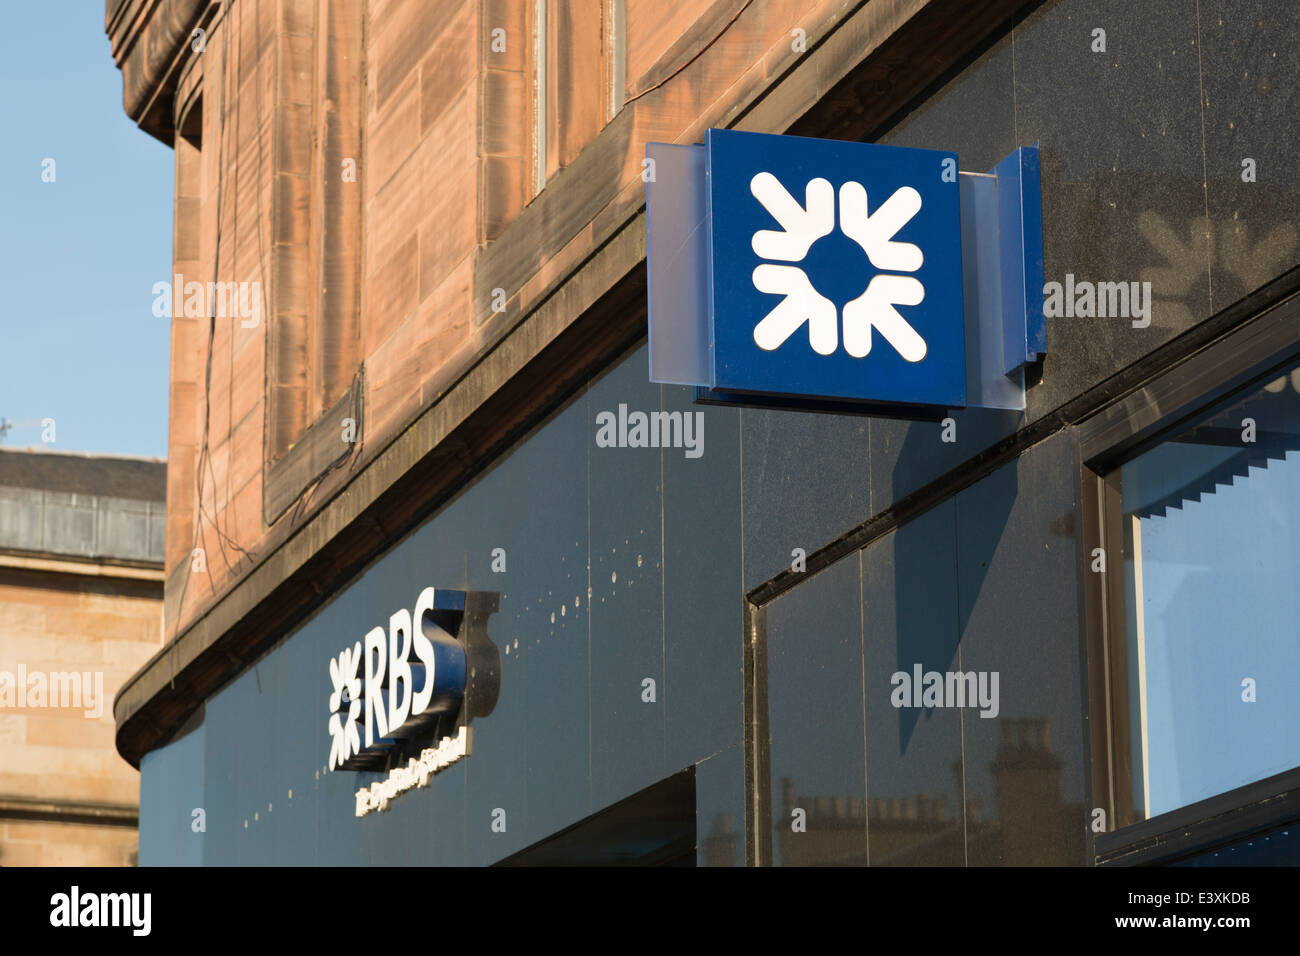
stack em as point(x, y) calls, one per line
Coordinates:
point(80, 611)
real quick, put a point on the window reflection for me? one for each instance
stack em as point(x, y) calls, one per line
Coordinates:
point(1212, 551)
point(927, 828)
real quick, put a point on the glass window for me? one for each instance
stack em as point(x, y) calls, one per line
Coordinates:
point(1211, 532)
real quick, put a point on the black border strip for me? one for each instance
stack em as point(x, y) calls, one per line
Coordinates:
point(1198, 827)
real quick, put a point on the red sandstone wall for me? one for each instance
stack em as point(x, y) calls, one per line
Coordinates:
point(380, 273)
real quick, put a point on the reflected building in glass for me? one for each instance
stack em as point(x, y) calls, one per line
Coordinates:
point(923, 830)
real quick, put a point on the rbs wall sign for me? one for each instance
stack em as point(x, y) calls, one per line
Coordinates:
point(397, 681)
point(402, 698)
point(806, 272)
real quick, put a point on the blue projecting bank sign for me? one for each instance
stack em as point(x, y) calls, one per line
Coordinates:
point(792, 271)
point(835, 269)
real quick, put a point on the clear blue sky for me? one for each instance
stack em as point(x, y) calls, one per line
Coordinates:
point(78, 257)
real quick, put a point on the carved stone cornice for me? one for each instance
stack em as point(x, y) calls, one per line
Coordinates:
point(150, 42)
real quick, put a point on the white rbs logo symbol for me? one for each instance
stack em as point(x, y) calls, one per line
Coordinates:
point(801, 226)
point(345, 737)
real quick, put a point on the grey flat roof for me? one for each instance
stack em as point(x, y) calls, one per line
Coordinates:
point(113, 476)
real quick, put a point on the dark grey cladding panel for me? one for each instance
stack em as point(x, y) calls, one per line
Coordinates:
point(625, 505)
point(1018, 579)
point(1250, 64)
point(1122, 172)
point(814, 686)
point(806, 481)
point(982, 588)
point(530, 768)
point(944, 121)
point(720, 809)
point(702, 581)
point(172, 789)
point(917, 807)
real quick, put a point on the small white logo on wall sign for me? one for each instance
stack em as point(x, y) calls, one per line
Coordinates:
point(801, 226)
point(345, 737)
